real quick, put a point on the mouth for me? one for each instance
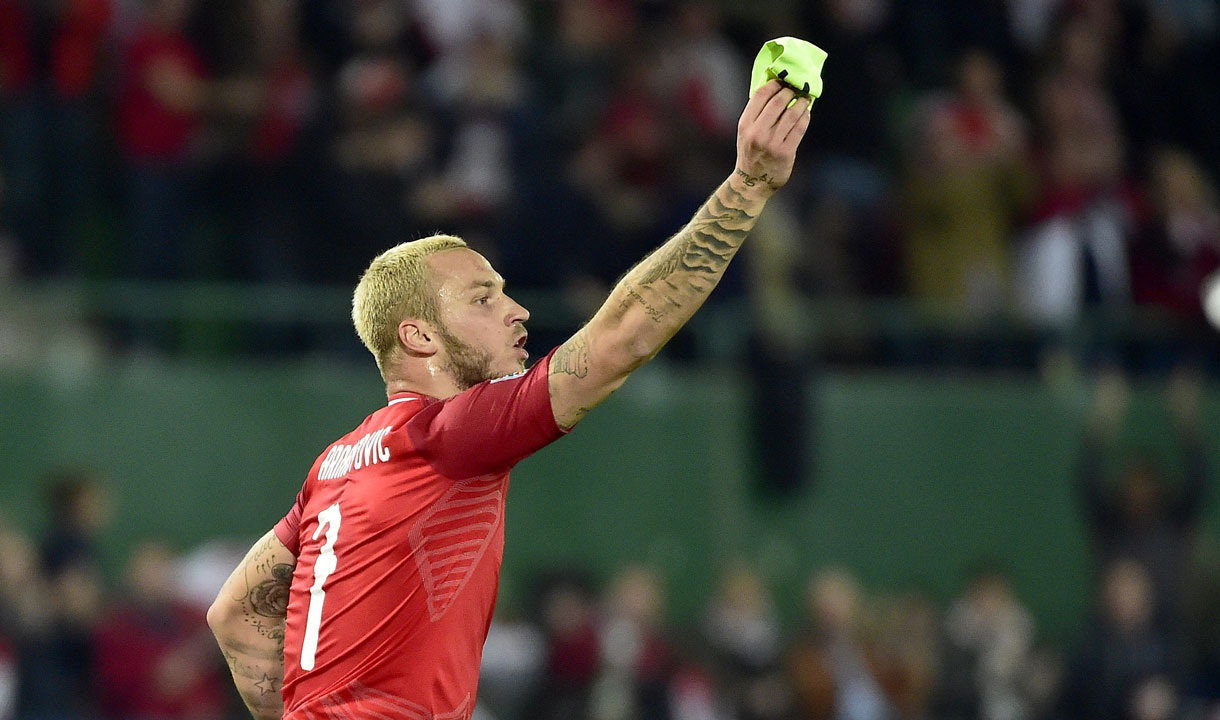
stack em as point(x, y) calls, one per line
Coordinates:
point(520, 345)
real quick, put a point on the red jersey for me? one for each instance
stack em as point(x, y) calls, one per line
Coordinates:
point(399, 534)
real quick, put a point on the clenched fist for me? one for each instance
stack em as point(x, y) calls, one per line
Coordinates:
point(768, 134)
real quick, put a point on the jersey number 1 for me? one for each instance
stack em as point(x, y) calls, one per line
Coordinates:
point(322, 568)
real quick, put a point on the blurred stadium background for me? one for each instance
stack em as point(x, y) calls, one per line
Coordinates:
point(941, 446)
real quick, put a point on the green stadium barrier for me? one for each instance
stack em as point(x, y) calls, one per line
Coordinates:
point(916, 478)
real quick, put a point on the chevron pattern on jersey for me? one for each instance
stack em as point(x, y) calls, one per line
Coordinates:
point(449, 539)
point(358, 702)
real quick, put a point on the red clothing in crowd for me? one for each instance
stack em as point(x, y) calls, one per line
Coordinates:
point(399, 535)
point(289, 102)
point(157, 663)
point(76, 46)
point(148, 129)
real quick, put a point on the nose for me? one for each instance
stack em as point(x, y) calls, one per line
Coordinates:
point(516, 312)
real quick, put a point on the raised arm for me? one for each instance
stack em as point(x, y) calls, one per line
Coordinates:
point(247, 619)
point(656, 298)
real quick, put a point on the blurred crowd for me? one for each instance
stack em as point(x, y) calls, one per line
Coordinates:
point(1036, 158)
point(77, 645)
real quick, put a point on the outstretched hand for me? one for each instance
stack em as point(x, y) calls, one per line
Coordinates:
point(768, 134)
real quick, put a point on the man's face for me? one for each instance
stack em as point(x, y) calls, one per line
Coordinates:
point(482, 330)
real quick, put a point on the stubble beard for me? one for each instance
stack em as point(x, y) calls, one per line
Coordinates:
point(467, 366)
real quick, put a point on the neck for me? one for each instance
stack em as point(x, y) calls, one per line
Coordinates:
point(426, 377)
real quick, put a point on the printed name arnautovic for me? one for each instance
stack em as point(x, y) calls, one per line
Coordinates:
point(342, 459)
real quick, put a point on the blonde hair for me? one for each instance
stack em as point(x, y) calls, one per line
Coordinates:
point(397, 285)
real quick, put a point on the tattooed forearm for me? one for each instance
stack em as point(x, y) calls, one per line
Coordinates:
point(694, 259)
point(258, 674)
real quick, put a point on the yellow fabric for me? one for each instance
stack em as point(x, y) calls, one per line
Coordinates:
point(796, 62)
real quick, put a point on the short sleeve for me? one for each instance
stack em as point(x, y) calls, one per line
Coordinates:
point(288, 529)
point(488, 428)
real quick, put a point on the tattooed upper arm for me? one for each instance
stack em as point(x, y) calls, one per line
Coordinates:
point(572, 393)
point(254, 601)
point(268, 580)
point(572, 358)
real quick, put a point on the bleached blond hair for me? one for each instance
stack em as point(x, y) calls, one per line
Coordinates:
point(397, 285)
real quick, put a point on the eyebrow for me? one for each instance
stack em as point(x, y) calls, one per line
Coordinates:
point(489, 284)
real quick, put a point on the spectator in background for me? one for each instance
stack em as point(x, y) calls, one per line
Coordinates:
point(265, 107)
point(1142, 517)
point(568, 616)
point(834, 669)
point(455, 25)
point(1125, 668)
point(571, 62)
point(52, 57)
point(704, 71)
point(384, 137)
point(8, 680)
point(623, 170)
point(989, 643)
point(708, 75)
point(849, 190)
point(512, 665)
point(968, 183)
point(481, 93)
point(743, 631)
point(79, 511)
point(161, 99)
point(907, 648)
point(155, 656)
point(22, 615)
point(852, 132)
point(57, 656)
point(637, 661)
point(1076, 251)
point(1031, 23)
point(1180, 247)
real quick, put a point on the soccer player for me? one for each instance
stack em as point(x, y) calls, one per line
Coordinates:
point(372, 597)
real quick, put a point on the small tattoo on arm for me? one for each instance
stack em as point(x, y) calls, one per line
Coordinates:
point(652, 312)
point(572, 358)
point(752, 180)
point(266, 686)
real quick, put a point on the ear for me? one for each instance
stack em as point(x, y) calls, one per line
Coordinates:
point(418, 338)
